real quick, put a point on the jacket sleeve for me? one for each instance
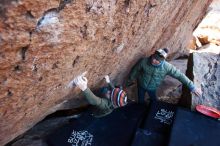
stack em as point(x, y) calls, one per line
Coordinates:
point(175, 73)
point(134, 72)
point(94, 100)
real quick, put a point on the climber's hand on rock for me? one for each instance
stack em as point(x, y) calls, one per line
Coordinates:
point(72, 83)
point(81, 82)
point(107, 78)
point(197, 92)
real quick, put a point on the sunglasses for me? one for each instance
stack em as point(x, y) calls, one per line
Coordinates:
point(158, 57)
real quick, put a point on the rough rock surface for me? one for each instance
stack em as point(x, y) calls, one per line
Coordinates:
point(44, 44)
point(205, 73)
point(208, 30)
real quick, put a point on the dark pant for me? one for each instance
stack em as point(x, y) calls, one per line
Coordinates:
point(141, 94)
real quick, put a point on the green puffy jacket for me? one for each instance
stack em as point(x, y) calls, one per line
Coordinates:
point(150, 77)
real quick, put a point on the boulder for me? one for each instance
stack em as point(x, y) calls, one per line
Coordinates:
point(44, 44)
point(203, 39)
point(204, 70)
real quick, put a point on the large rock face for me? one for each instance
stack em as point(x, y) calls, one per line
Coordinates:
point(44, 44)
point(205, 73)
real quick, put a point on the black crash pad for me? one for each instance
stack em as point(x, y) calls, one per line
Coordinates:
point(148, 138)
point(156, 127)
point(194, 129)
point(115, 129)
point(160, 117)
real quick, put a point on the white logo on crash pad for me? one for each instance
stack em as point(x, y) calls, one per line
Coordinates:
point(80, 138)
point(164, 116)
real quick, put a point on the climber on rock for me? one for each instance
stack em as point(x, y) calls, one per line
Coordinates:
point(110, 97)
point(151, 71)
